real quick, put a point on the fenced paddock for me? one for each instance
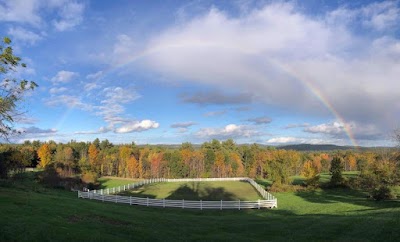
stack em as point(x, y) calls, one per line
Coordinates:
point(106, 195)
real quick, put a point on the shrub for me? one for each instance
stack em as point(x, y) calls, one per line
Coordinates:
point(382, 193)
point(90, 179)
point(278, 187)
point(50, 177)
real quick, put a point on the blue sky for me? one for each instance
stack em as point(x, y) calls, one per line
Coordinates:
point(271, 72)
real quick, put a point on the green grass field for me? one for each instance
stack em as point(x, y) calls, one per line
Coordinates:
point(31, 212)
point(107, 182)
point(211, 191)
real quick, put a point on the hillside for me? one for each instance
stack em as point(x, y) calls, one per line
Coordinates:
point(31, 212)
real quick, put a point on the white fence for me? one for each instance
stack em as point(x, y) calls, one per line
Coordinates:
point(268, 201)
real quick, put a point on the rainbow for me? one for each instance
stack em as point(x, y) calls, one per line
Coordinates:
point(286, 69)
point(324, 100)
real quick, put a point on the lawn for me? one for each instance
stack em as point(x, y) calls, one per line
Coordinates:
point(107, 182)
point(206, 190)
point(31, 212)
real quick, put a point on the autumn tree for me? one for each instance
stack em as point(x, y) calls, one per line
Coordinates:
point(44, 154)
point(237, 165)
point(132, 166)
point(155, 159)
point(65, 160)
point(14, 159)
point(310, 172)
point(125, 153)
point(325, 162)
point(93, 156)
point(279, 167)
point(11, 89)
point(186, 151)
point(219, 165)
point(351, 162)
point(144, 166)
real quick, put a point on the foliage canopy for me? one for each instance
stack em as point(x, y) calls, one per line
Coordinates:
point(12, 90)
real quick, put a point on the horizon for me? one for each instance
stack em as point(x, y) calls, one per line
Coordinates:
point(274, 73)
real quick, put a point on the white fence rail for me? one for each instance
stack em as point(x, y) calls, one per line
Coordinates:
point(269, 201)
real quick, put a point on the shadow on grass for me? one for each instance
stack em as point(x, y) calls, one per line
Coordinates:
point(138, 192)
point(345, 195)
point(101, 183)
point(25, 214)
point(194, 191)
point(264, 183)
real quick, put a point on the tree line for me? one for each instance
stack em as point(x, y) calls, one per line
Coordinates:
point(378, 169)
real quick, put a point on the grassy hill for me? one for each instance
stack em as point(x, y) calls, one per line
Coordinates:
point(31, 212)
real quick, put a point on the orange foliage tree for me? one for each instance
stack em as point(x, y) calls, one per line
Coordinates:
point(133, 166)
point(44, 155)
point(93, 155)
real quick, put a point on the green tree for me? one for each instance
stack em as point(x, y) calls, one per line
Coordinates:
point(11, 89)
point(336, 171)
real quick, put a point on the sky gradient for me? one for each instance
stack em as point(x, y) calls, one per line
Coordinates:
point(167, 72)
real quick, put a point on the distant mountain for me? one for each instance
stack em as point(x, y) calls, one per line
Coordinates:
point(297, 147)
point(319, 147)
point(329, 147)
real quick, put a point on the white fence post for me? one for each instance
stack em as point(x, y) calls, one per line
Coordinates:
point(147, 202)
point(201, 205)
point(183, 203)
point(239, 204)
point(116, 198)
point(221, 205)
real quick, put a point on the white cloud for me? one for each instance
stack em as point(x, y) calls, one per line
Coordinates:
point(315, 66)
point(334, 128)
point(70, 15)
point(66, 14)
point(229, 131)
point(341, 130)
point(292, 126)
point(295, 140)
point(55, 90)
point(376, 16)
point(215, 113)
point(112, 105)
point(34, 133)
point(382, 15)
point(21, 11)
point(36, 130)
point(260, 120)
point(91, 86)
point(23, 35)
point(101, 130)
point(137, 126)
point(69, 101)
point(24, 119)
point(183, 125)
point(124, 49)
point(216, 98)
point(95, 75)
point(64, 76)
point(119, 95)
